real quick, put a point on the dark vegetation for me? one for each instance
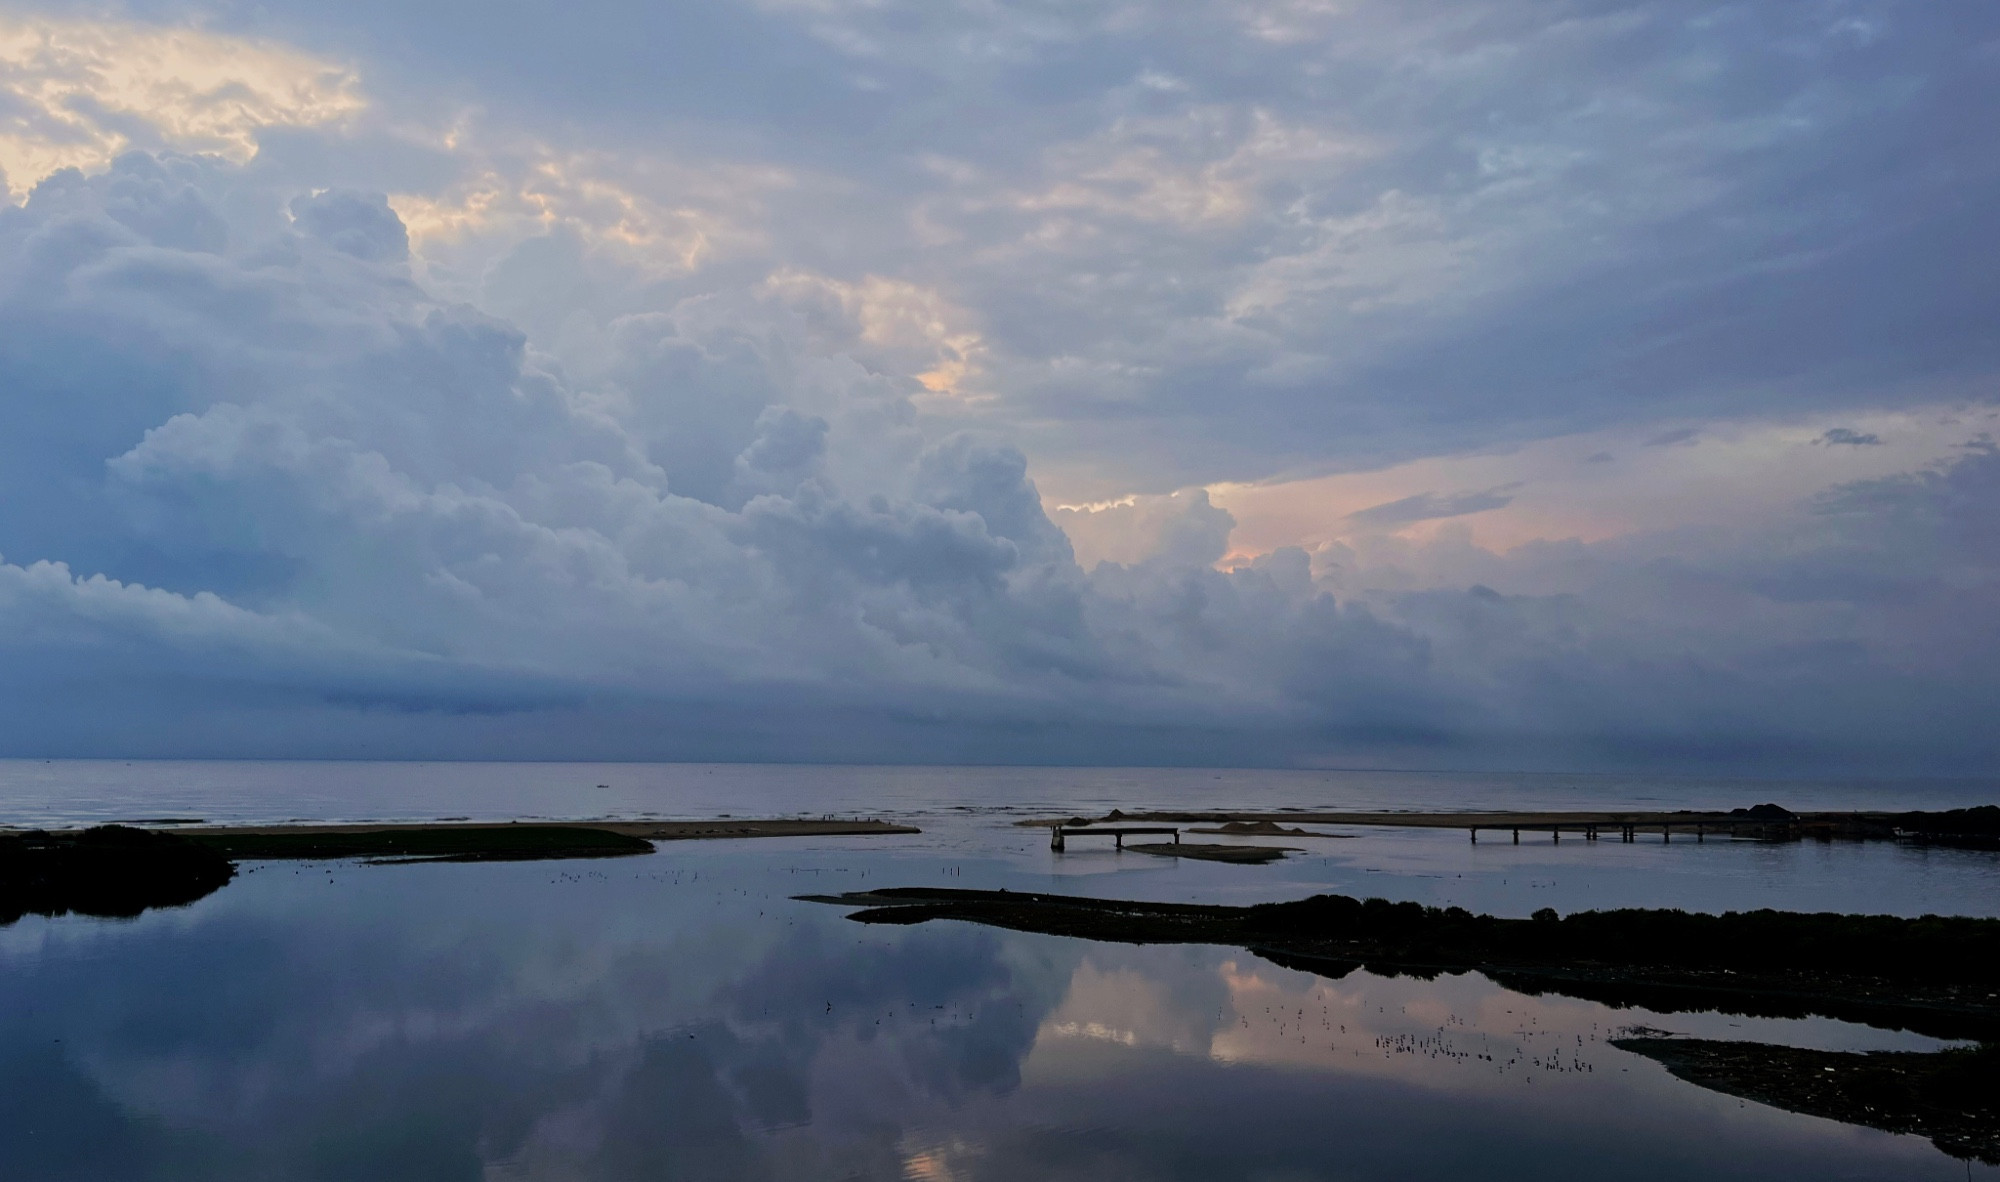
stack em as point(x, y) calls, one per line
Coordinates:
point(120, 871)
point(1976, 827)
point(1952, 1097)
point(426, 843)
point(112, 870)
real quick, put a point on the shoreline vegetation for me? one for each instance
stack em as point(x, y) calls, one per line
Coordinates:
point(118, 871)
point(111, 871)
point(1938, 976)
point(1969, 828)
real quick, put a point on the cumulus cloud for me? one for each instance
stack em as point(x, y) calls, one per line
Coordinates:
point(77, 93)
point(1183, 527)
point(669, 417)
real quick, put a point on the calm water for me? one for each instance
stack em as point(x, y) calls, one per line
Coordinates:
point(679, 1016)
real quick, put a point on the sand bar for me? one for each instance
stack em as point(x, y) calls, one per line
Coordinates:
point(481, 841)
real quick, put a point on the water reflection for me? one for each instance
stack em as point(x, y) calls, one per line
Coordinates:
point(682, 1018)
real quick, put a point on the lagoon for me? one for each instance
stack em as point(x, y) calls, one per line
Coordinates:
point(681, 1015)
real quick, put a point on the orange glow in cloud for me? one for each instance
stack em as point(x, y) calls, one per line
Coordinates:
point(1598, 486)
point(81, 92)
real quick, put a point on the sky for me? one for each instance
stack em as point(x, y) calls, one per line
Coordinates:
point(1560, 384)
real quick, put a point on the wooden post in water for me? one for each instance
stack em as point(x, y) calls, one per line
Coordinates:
point(1557, 834)
point(1055, 838)
point(1517, 837)
point(1475, 835)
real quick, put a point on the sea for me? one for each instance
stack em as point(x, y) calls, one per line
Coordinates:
point(684, 1015)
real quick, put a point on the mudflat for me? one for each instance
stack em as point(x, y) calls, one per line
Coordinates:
point(463, 841)
point(121, 870)
point(1249, 855)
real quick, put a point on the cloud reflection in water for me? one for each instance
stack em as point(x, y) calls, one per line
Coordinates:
point(687, 1020)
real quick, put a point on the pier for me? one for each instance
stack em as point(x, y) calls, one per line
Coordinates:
point(1058, 832)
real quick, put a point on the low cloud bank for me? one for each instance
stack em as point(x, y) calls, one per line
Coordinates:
point(265, 494)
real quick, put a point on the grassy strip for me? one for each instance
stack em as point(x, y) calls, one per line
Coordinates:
point(431, 843)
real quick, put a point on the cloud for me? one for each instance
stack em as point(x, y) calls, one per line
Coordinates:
point(359, 224)
point(681, 414)
point(1431, 506)
point(280, 472)
point(77, 93)
point(1183, 527)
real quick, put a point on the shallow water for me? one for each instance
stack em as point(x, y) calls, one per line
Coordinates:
point(679, 1015)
